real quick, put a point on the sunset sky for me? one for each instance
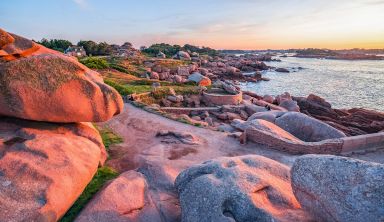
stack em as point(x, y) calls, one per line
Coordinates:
point(229, 24)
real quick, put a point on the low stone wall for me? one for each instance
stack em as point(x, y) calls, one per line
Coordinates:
point(332, 146)
point(187, 111)
point(346, 145)
point(363, 143)
point(219, 99)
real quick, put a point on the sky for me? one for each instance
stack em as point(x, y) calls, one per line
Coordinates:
point(220, 24)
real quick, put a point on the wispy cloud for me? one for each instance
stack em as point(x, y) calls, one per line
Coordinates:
point(81, 3)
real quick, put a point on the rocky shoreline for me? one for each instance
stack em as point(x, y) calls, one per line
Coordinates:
point(238, 158)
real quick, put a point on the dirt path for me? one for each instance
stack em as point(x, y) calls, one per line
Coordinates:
point(161, 159)
point(139, 128)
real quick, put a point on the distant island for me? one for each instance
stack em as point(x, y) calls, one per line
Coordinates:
point(344, 54)
point(350, 54)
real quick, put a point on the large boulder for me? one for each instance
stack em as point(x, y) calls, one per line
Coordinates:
point(44, 167)
point(307, 128)
point(199, 79)
point(245, 188)
point(270, 128)
point(40, 84)
point(356, 121)
point(183, 55)
point(126, 198)
point(270, 116)
point(336, 188)
point(251, 108)
point(290, 105)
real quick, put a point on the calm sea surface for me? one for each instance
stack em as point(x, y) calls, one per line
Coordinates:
point(345, 84)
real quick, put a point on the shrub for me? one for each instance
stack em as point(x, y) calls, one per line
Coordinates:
point(95, 62)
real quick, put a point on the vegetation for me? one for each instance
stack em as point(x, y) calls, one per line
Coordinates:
point(128, 89)
point(311, 51)
point(94, 49)
point(167, 49)
point(170, 50)
point(56, 44)
point(145, 85)
point(109, 137)
point(95, 62)
point(104, 49)
point(102, 175)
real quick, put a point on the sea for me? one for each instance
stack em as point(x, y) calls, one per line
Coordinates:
point(343, 83)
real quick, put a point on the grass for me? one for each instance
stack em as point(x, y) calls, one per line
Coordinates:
point(103, 175)
point(145, 85)
point(127, 89)
point(109, 137)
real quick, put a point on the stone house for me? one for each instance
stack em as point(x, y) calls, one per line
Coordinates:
point(77, 51)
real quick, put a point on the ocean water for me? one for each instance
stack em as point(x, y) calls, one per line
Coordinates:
point(345, 84)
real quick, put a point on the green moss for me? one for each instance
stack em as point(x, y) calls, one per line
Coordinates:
point(102, 175)
point(109, 137)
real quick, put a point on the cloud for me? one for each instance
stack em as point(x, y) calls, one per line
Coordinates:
point(81, 3)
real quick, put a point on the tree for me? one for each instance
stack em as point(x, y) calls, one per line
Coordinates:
point(56, 44)
point(90, 47)
point(126, 45)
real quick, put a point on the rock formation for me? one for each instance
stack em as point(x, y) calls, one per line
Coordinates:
point(125, 199)
point(246, 188)
point(41, 84)
point(44, 167)
point(336, 188)
point(352, 122)
point(306, 128)
point(300, 125)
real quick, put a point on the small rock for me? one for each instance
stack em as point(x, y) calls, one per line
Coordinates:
point(226, 128)
point(268, 98)
point(282, 70)
point(175, 99)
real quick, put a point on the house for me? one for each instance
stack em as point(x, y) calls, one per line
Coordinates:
point(77, 51)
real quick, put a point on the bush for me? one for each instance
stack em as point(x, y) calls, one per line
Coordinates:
point(95, 63)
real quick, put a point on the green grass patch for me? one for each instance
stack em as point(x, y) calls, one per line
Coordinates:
point(102, 175)
point(127, 89)
point(109, 137)
point(95, 62)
